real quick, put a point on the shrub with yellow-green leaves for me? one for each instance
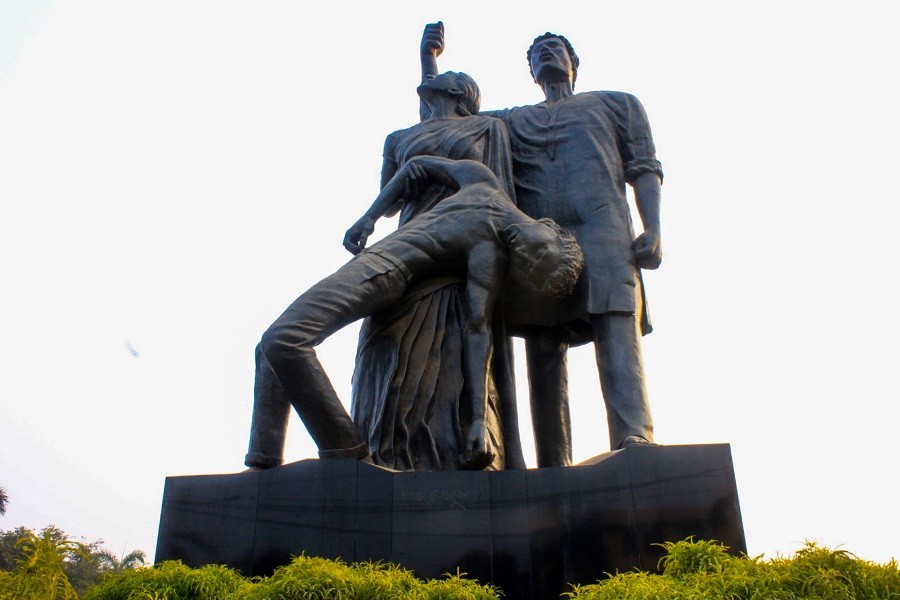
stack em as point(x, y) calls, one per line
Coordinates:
point(304, 578)
point(171, 580)
point(701, 570)
point(704, 570)
point(40, 573)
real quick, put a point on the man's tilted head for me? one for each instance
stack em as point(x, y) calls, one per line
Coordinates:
point(545, 256)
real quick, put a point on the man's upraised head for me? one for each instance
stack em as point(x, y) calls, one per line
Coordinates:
point(572, 56)
point(546, 256)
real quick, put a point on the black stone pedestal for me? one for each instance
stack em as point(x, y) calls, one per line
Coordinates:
point(530, 532)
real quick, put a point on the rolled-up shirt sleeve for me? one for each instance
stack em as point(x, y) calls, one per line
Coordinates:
point(636, 141)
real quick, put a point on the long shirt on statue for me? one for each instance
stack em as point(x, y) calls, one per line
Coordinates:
point(571, 161)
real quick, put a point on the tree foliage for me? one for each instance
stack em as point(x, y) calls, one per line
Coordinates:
point(10, 554)
point(40, 572)
point(49, 565)
point(4, 500)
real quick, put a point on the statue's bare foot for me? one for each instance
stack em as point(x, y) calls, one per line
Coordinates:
point(476, 455)
point(636, 440)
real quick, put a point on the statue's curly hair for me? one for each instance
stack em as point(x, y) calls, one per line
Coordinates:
point(569, 49)
point(562, 281)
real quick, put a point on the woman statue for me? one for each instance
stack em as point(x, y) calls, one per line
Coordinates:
point(408, 378)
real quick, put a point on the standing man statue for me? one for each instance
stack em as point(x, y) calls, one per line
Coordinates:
point(572, 156)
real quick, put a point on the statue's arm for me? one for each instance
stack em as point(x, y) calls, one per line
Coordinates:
point(486, 267)
point(642, 171)
point(391, 193)
point(420, 171)
point(388, 170)
point(431, 47)
point(454, 173)
point(648, 245)
point(356, 237)
point(411, 178)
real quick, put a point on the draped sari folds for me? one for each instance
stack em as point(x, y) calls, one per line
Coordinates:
point(408, 379)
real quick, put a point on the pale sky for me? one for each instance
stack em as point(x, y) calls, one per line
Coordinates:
point(173, 174)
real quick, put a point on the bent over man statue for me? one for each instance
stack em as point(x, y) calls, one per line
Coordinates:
point(477, 233)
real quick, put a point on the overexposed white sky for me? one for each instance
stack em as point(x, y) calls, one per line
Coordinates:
point(173, 174)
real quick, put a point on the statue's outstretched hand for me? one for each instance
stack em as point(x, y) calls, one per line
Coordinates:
point(433, 39)
point(648, 249)
point(356, 237)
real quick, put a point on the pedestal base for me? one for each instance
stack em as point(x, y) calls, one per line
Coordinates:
point(530, 532)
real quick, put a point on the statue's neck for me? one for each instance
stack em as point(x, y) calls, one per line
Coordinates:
point(442, 111)
point(557, 90)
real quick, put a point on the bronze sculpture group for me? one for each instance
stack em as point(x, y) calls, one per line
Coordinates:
point(491, 206)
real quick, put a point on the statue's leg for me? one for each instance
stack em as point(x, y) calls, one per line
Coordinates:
point(271, 410)
point(548, 384)
point(358, 289)
point(505, 384)
point(617, 341)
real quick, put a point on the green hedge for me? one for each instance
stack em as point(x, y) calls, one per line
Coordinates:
point(704, 570)
point(691, 571)
point(305, 578)
point(171, 580)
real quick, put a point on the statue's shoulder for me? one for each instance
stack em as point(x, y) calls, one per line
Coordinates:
point(474, 121)
point(515, 109)
point(491, 119)
point(403, 133)
point(490, 122)
point(612, 97)
point(623, 106)
point(396, 138)
point(481, 120)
